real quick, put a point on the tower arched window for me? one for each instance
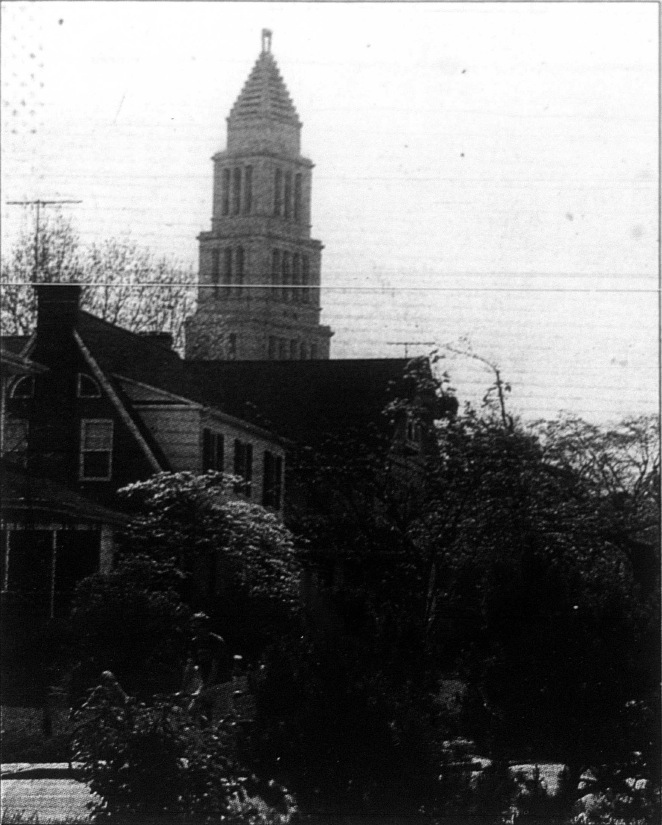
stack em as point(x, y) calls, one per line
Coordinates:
point(225, 193)
point(275, 272)
point(236, 191)
point(297, 197)
point(248, 190)
point(23, 387)
point(287, 276)
point(227, 265)
point(87, 386)
point(305, 279)
point(296, 277)
point(287, 198)
point(239, 267)
point(304, 352)
point(215, 266)
point(278, 192)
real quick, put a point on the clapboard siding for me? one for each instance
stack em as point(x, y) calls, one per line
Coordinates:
point(178, 433)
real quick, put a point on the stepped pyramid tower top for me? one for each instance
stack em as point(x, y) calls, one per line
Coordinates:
point(260, 270)
point(265, 94)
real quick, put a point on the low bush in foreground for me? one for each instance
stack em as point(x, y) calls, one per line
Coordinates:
point(156, 763)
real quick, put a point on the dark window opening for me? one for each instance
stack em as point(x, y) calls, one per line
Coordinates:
point(288, 195)
point(232, 346)
point(215, 266)
point(272, 351)
point(239, 266)
point(296, 277)
point(236, 192)
point(313, 351)
point(285, 292)
point(278, 192)
point(272, 480)
point(275, 272)
point(293, 350)
point(225, 200)
point(305, 279)
point(297, 198)
point(243, 466)
point(227, 266)
point(248, 190)
point(213, 451)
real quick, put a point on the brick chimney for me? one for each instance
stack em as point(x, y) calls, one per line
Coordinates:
point(57, 317)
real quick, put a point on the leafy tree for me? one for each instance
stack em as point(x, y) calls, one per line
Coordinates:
point(238, 558)
point(123, 283)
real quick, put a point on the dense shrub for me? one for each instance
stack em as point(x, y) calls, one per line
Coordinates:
point(154, 763)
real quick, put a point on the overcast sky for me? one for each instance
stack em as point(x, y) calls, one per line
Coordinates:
point(486, 170)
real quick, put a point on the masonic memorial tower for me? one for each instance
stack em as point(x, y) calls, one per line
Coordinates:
point(259, 280)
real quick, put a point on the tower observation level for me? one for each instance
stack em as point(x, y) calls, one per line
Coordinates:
point(259, 276)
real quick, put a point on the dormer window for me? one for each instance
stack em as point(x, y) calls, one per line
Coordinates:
point(87, 387)
point(24, 387)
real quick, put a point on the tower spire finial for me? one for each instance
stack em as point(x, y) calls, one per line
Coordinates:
point(266, 40)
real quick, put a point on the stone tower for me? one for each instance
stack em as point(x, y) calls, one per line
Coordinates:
point(259, 281)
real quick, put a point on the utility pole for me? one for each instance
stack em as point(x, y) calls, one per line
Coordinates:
point(38, 203)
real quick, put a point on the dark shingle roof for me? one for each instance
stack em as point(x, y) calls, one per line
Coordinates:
point(300, 399)
point(120, 352)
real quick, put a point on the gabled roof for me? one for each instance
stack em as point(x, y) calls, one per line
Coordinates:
point(264, 94)
point(301, 400)
point(120, 352)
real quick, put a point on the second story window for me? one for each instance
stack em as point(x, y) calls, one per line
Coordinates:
point(87, 386)
point(213, 451)
point(96, 449)
point(23, 387)
point(15, 440)
point(272, 480)
point(243, 465)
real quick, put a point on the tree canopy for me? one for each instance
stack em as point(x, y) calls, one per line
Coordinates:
point(123, 282)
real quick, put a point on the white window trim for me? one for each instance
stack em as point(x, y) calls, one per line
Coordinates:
point(81, 451)
point(18, 382)
point(79, 390)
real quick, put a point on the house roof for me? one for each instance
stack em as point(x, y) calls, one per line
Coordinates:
point(121, 352)
point(14, 343)
point(301, 399)
point(24, 493)
point(264, 94)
